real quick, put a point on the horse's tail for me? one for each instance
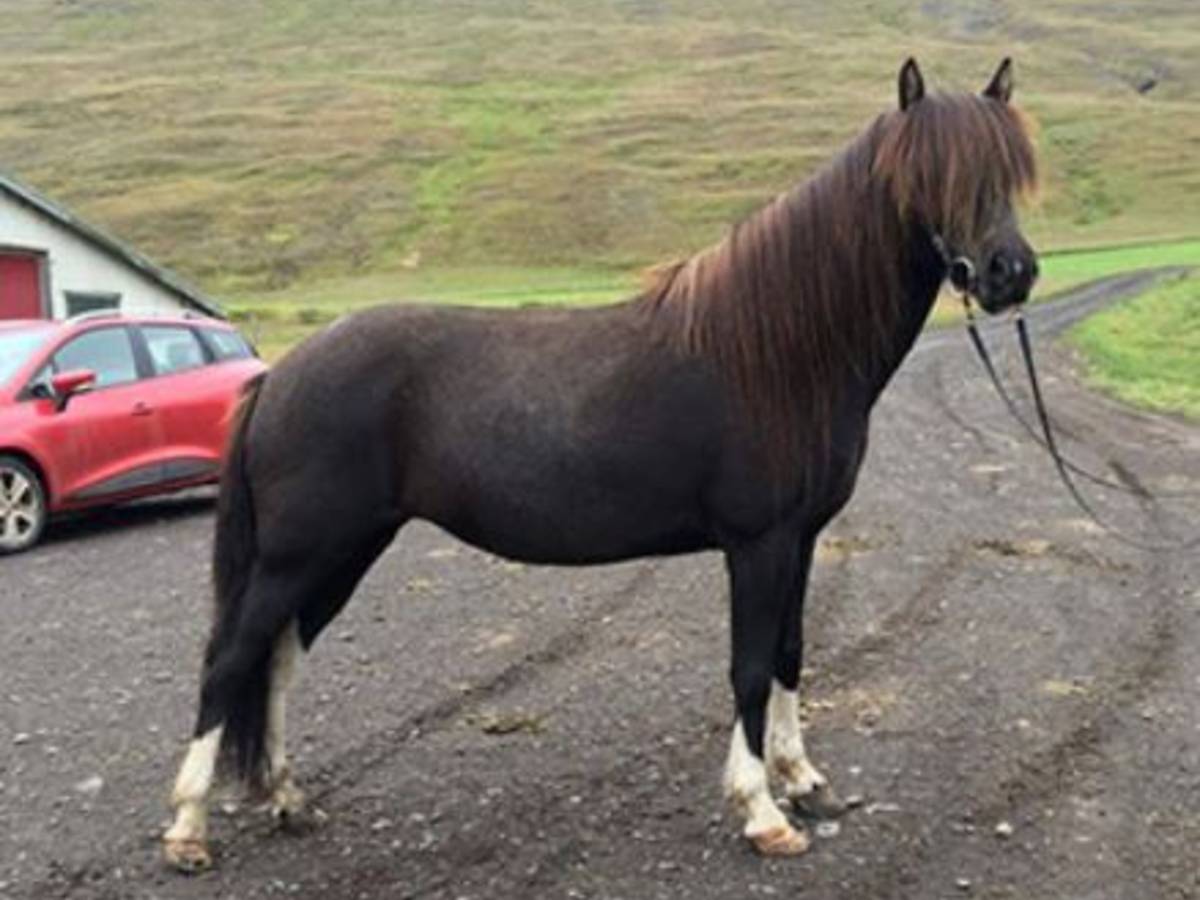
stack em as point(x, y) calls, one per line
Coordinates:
point(239, 703)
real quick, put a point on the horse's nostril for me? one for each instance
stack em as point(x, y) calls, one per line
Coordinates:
point(1000, 269)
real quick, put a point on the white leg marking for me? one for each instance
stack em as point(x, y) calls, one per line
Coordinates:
point(746, 786)
point(190, 796)
point(785, 744)
point(286, 798)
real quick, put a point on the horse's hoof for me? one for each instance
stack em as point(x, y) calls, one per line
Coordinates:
point(292, 814)
point(187, 856)
point(782, 841)
point(822, 802)
point(287, 804)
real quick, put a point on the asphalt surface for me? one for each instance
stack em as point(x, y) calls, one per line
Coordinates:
point(1014, 695)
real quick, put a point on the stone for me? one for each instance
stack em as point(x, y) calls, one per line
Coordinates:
point(828, 829)
point(90, 786)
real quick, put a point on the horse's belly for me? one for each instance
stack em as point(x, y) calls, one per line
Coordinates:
point(565, 550)
point(578, 526)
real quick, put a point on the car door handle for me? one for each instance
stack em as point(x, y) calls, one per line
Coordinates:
point(142, 408)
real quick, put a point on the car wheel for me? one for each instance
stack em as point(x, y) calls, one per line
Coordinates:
point(22, 506)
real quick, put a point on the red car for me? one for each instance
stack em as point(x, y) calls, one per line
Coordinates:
point(106, 408)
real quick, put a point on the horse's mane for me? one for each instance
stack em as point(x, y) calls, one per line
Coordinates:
point(814, 281)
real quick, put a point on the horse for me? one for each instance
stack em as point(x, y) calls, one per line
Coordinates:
point(725, 406)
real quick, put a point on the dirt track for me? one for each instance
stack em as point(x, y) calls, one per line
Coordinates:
point(978, 654)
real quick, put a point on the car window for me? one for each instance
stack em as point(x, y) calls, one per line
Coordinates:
point(16, 347)
point(173, 348)
point(227, 344)
point(106, 351)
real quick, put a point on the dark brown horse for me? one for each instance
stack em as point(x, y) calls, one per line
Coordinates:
point(725, 407)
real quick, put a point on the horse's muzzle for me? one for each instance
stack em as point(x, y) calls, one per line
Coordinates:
point(1007, 280)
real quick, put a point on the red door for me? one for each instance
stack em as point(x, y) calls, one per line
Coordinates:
point(20, 286)
point(107, 442)
point(191, 399)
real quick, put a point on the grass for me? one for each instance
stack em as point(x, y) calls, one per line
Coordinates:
point(276, 324)
point(287, 151)
point(1066, 269)
point(297, 158)
point(1147, 351)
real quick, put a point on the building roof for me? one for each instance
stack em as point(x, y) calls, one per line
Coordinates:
point(110, 245)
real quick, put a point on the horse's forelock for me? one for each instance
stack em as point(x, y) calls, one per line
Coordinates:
point(952, 158)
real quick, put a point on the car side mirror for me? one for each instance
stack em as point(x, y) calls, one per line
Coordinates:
point(67, 384)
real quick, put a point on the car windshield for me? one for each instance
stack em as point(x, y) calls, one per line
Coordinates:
point(16, 347)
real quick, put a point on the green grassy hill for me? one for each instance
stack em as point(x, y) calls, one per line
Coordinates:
point(322, 152)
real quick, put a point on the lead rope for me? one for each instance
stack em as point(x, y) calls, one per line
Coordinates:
point(1047, 440)
point(986, 359)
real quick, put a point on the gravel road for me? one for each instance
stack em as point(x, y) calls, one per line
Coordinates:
point(1014, 695)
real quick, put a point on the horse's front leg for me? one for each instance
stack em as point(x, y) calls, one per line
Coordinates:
point(807, 789)
point(762, 575)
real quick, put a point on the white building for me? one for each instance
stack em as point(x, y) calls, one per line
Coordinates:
point(54, 265)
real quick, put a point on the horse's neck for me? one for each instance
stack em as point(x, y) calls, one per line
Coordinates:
point(921, 284)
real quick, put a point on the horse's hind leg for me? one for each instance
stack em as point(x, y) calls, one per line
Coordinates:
point(185, 842)
point(286, 799)
point(234, 700)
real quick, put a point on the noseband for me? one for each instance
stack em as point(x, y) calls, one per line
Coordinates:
point(960, 271)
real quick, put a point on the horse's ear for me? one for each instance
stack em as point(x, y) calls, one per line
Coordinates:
point(912, 85)
point(1001, 86)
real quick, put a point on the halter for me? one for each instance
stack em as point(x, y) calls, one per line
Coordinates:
point(959, 269)
point(961, 273)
